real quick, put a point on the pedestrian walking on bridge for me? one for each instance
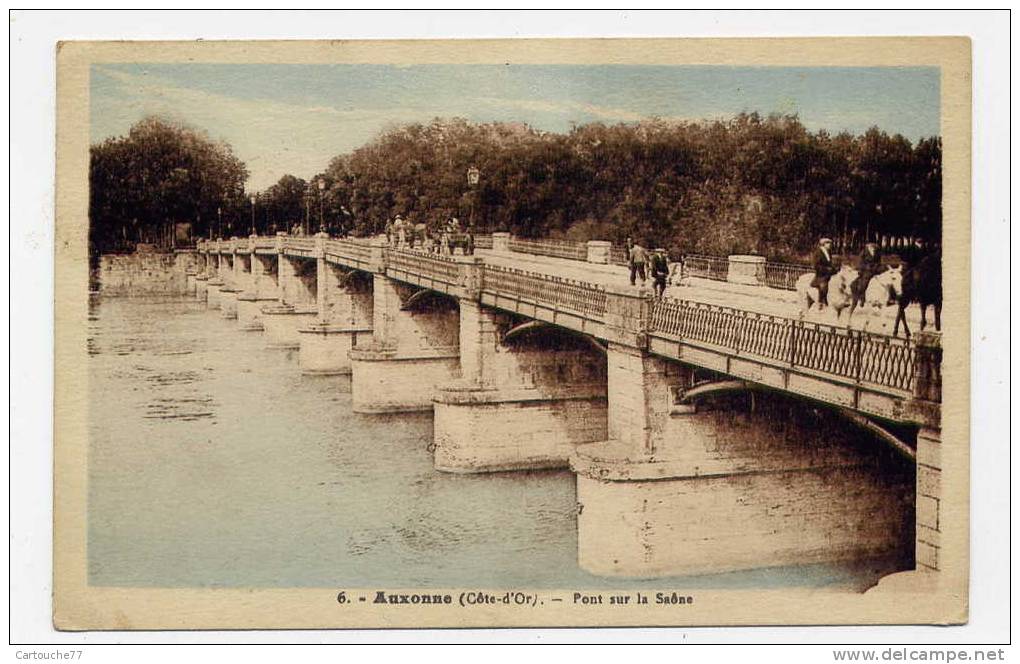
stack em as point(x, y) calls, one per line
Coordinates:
point(660, 271)
point(638, 256)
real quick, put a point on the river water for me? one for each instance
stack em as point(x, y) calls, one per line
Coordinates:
point(213, 462)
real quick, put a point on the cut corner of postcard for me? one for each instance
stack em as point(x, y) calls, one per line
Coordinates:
point(460, 334)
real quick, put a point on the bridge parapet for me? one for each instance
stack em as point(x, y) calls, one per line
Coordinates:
point(348, 252)
point(576, 305)
point(576, 251)
point(428, 270)
point(865, 371)
point(300, 246)
point(262, 244)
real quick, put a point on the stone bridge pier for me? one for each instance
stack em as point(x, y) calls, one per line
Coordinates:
point(344, 307)
point(414, 347)
point(529, 393)
point(701, 475)
point(262, 289)
point(200, 285)
point(220, 280)
point(296, 305)
point(238, 281)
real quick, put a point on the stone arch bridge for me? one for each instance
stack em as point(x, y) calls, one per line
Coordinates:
point(704, 438)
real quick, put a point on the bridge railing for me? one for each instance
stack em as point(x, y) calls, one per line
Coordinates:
point(782, 275)
point(716, 268)
point(349, 251)
point(304, 246)
point(434, 266)
point(854, 356)
point(483, 241)
point(576, 251)
point(265, 243)
point(557, 293)
point(618, 255)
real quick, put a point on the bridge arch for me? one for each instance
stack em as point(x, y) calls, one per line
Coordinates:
point(534, 331)
point(427, 299)
point(724, 386)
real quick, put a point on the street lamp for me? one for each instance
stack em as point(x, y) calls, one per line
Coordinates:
point(472, 178)
point(322, 187)
point(308, 214)
point(253, 199)
point(219, 222)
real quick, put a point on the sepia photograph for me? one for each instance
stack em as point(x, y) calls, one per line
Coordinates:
point(625, 332)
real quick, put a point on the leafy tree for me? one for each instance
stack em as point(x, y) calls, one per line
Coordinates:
point(752, 183)
point(159, 174)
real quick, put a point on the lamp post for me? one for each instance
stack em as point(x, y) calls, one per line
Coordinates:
point(472, 177)
point(308, 214)
point(322, 187)
point(219, 222)
point(253, 199)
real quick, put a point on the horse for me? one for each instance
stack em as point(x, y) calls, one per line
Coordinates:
point(922, 283)
point(839, 290)
point(882, 290)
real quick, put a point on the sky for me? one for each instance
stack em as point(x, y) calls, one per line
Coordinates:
point(293, 119)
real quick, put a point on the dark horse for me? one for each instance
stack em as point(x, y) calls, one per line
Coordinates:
point(922, 283)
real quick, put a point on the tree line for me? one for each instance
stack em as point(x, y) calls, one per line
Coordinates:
point(750, 184)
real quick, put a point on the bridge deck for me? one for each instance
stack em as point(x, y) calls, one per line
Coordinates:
point(751, 332)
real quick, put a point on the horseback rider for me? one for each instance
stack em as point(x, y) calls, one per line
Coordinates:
point(824, 269)
point(869, 263)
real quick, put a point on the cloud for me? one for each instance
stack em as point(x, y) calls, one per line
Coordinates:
point(272, 137)
point(573, 108)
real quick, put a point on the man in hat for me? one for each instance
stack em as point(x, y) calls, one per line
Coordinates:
point(824, 269)
point(637, 263)
point(660, 271)
point(869, 263)
point(400, 226)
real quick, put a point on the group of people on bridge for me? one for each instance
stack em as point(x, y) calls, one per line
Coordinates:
point(642, 264)
point(442, 238)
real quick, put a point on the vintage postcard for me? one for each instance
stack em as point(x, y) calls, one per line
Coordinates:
point(512, 333)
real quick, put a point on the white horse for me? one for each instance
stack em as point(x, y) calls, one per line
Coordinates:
point(839, 295)
point(884, 290)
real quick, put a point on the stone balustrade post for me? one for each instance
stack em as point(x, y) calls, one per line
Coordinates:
point(746, 269)
point(628, 310)
point(379, 247)
point(928, 366)
point(598, 251)
point(501, 242)
point(471, 275)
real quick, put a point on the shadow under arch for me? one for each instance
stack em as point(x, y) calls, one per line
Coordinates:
point(427, 299)
point(534, 331)
point(732, 385)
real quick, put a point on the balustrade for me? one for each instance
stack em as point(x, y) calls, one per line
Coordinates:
point(576, 296)
point(577, 251)
point(304, 246)
point(881, 362)
point(716, 268)
point(350, 251)
point(878, 360)
point(435, 266)
point(782, 275)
